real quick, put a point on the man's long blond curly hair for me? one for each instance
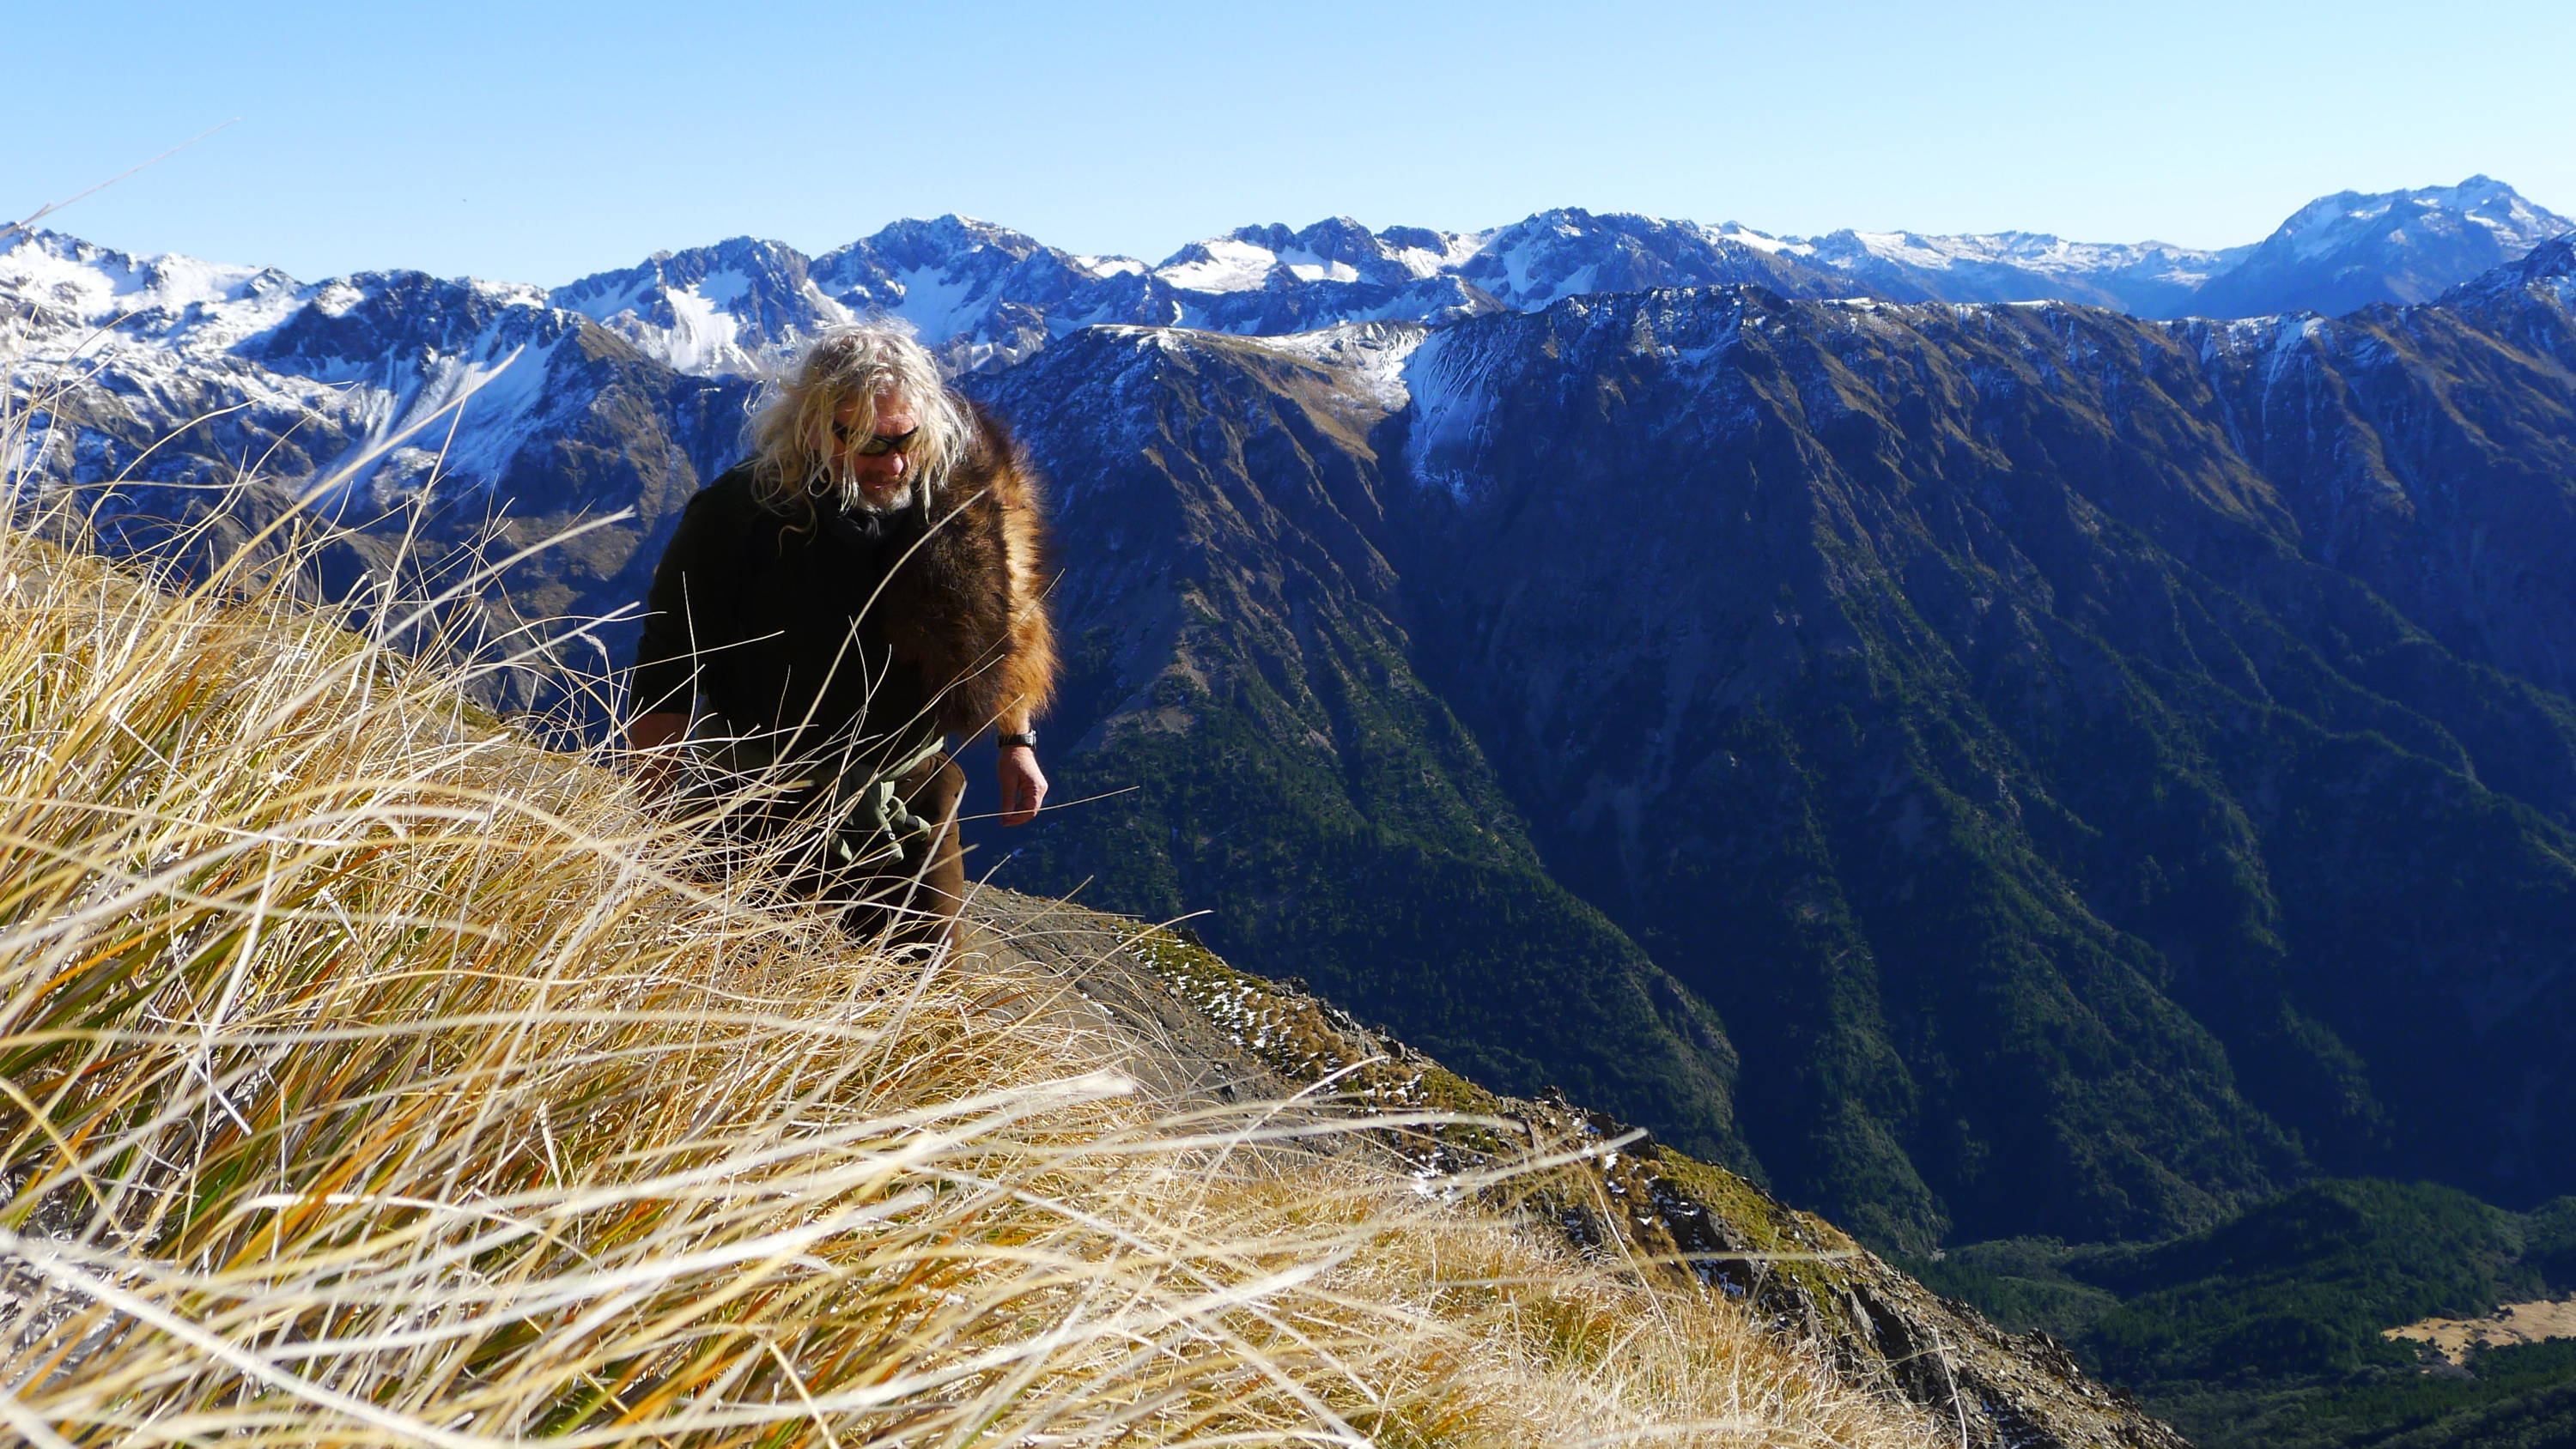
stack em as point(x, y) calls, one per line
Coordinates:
point(791, 430)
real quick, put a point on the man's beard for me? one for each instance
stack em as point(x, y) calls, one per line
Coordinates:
point(855, 499)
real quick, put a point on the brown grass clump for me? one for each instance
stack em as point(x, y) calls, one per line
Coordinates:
point(370, 1077)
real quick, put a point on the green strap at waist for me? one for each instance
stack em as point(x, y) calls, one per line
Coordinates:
point(872, 823)
point(880, 823)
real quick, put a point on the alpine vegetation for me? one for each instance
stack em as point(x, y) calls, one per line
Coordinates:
point(369, 1075)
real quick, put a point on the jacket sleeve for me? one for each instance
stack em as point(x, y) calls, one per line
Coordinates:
point(690, 599)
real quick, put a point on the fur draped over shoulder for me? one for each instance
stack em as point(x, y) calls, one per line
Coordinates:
point(969, 608)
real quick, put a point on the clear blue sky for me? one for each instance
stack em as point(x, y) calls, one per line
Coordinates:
point(540, 142)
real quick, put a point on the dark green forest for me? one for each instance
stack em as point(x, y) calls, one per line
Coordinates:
point(2265, 1332)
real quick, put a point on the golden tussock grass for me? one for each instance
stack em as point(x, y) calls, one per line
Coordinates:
point(369, 1076)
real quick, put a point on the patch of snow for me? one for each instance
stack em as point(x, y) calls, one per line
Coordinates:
point(702, 333)
point(1514, 258)
point(337, 298)
point(1762, 241)
point(200, 306)
point(2029, 251)
point(723, 288)
point(940, 302)
point(1373, 354)
point(1221, 265)
point(1308, 267)
point(1457, 250)
point(1905, 249)
point(1450, 383)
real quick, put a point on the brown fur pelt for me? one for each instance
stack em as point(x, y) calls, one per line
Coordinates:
point(970, 609)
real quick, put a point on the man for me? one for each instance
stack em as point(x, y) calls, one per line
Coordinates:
point(868, 583)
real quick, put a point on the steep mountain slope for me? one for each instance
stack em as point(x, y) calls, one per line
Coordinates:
point(1202, 1028)
point(1974, 650)
point(2098, 771)
point(1240, 665)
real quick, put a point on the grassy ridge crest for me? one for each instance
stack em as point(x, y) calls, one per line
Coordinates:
point(374, 1077)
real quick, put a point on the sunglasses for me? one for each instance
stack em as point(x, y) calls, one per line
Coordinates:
point(877, 444)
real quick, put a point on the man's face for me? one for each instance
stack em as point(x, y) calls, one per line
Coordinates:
point(885, 480)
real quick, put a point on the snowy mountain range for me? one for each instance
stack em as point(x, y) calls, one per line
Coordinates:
point(326, 375)
point(338, 372)
point(988, 295)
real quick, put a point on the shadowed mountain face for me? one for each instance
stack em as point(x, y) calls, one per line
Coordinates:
point(2097, 771)
point(1242, 667)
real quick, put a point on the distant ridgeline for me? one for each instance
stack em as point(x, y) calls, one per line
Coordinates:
point(2270, 1330)
point(1988, 770)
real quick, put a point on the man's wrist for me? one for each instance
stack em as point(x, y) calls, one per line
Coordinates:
point(1017, 739)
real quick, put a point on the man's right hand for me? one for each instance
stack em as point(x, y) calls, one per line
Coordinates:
point(653, 740)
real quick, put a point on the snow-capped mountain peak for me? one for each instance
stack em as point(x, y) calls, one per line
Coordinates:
point(2332, 223)
point(64, 282)
point(1763, 241)
point(332, 375)
point(1220, 264)
point(1337, 249)
point(708, 309)
point(2351, 249)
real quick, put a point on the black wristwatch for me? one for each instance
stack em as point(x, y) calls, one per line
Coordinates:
point(1024, 737)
